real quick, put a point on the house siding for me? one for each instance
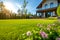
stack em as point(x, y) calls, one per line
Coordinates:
point(48, 9)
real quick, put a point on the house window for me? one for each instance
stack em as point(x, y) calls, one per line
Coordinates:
point(46, 6)
point(51, 5)
point(49, 13)
point(58, 3)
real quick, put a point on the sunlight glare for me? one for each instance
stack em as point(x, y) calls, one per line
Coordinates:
point(9, 6)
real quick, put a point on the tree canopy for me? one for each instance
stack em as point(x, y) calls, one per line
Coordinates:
point(58, 10)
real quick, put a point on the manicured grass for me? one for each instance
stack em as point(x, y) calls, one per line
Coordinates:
point(12, 28)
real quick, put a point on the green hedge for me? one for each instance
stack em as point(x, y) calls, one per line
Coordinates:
point(58, 10)
point(52, 18)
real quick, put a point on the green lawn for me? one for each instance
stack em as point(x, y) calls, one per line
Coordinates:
point(12, 28)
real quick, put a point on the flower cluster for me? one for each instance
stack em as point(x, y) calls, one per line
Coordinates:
point(44, 32)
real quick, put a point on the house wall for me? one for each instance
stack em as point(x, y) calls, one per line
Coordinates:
point(48, 3)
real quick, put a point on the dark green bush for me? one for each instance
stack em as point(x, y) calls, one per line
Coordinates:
point(58, 10)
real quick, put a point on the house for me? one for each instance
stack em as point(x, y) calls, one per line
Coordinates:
point(47, 8)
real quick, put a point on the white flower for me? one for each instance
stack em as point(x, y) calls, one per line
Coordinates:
point(28, 33)
point(48, 28)
point(39, 25)
point(53, 24)
point(49, 25)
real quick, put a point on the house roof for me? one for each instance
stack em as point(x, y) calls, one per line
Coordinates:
point(43, 1)
point(40, 5)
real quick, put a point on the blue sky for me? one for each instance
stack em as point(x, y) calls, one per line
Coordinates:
point(14, 5)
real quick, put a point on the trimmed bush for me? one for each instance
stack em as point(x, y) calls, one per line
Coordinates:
point(58, 10)
point(42, 32)
point(52, 18)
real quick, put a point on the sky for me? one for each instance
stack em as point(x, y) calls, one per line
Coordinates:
point(14, 5)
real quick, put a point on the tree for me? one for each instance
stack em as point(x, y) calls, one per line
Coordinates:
point(24, 8)
point(58, 10)
point(19, 12)
point(29, 14)
point(1, 13)
point(1, 6)
point(24, 4)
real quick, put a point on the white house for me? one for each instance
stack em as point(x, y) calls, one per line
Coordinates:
point(47, 8)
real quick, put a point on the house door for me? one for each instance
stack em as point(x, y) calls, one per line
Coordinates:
point(47, 14)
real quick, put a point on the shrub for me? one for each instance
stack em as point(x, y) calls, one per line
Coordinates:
point(52, 18)
point(44, 32)
point(58, 10)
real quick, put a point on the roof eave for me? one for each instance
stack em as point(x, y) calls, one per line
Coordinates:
point(40, 5)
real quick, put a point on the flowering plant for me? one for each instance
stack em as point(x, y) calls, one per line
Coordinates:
point(44, 32)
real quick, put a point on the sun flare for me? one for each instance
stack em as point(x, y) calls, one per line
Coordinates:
point(10, 6)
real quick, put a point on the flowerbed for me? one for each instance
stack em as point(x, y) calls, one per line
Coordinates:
point(43, 32)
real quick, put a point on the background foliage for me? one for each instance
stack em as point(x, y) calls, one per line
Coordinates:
point(58, 10)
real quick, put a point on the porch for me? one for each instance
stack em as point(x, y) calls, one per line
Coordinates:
point(46, 13)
